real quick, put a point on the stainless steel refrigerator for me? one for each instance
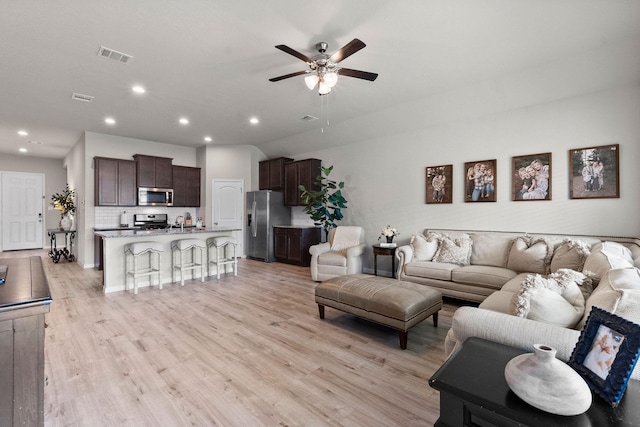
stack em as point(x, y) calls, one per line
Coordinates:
point(265, 209)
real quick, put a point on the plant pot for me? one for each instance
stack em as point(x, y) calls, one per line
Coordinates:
point(66, 222)
point(547, 383)
point(389, 239)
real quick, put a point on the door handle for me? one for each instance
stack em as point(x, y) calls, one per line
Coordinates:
point(40, 217)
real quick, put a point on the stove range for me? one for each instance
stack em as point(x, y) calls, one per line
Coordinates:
point(150, 221)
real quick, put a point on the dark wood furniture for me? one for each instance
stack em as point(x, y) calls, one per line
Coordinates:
point(114, 182)
point(474, 392)
point(301, 172)
point(291, 244)
point(154, 172)
point(24, 300)
point(271, 173)
point(66, 251)
point(186, 186)
point(381, 250)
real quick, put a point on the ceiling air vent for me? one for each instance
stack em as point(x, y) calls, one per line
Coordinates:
point(308, 118)
point(81, 97)
point(114, 54)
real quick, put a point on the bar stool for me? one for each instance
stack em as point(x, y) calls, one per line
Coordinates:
point(131, 253)
point(214, 244)
point(178, 262)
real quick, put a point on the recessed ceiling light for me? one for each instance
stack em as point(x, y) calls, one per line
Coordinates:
point(208, 139)
point(254, 120)
point(184, 121)
point(110, 121)
point(23, 133)
point(22, 150)
point(138, 89)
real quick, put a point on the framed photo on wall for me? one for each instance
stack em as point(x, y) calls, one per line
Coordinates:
point(480, 181)
point(439, 184)
point(606, 353)
point(531, 177)
point(594, 172)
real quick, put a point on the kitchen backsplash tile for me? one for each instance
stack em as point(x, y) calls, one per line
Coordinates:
point(106, 216)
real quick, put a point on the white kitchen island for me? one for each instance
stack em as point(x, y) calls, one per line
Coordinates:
point(113, 243)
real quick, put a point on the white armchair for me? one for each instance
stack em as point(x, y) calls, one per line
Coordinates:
point(342, 254)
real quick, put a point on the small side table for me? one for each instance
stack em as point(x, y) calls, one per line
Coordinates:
point(67, 250)
point(382, 250)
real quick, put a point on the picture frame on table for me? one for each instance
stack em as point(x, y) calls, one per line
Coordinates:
point(531, 177)
point(594, 172)
point(606, 354)
point(480, 181)
point(439, 184)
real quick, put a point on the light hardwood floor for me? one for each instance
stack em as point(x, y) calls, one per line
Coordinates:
point(249, 350)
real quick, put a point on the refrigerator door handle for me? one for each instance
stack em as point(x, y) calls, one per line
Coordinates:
point(254, 228)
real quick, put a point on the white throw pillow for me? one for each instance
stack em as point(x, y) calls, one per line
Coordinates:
point(557, 299)
point(452, 251)
point(423, 249)
point(606, 256)
point(530, 255)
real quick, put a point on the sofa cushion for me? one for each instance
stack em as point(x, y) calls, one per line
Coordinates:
point(483, 275)
point(529, 254)
point(618, 293)
point(499, 301)
point(423, 248)
point(490, 249)
point(452, 251)
point(430, 270)
point(332, 258)
point(570, 254)
point(556, 299)
point(605, 256)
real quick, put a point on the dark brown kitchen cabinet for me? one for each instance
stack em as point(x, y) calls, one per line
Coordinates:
point(154, 172)
point(271, 173)
point(114, 182)
point(301, 172)
point(186, 186)
point(291, 244)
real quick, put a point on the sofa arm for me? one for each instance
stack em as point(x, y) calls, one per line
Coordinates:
point(320, 248)
point(404, 255)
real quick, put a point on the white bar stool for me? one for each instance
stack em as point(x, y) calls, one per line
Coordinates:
point(131, 253)
point(178, 249)
point(214, 244)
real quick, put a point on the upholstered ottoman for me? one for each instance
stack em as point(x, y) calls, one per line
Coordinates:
point(390, 302)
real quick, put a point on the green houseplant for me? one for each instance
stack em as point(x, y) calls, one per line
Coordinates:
point(65, 202)
point(324, 205)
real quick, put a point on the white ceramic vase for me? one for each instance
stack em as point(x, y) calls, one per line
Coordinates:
point(547, 383)
point(66, 222)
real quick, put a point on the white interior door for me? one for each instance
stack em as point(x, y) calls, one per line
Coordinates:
point(22, 206)
point(228, 204)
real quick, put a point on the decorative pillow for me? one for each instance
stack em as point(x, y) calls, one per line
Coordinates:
point(530, 255)
point(570, 254)
point(456, 251)
point(423, 249)
point(605, 256)
point(557, 299)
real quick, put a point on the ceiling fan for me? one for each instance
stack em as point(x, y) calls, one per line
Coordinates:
point(324, 69)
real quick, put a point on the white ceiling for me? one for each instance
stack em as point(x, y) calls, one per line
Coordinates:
point(210, 60)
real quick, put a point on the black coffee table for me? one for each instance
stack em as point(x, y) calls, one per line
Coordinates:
point(474, 392)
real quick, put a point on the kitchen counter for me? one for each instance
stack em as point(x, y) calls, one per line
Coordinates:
point(113, 242)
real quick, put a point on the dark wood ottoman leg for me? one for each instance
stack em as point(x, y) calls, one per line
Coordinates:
point(321, 310)
point(435, 319)
point(404, 337)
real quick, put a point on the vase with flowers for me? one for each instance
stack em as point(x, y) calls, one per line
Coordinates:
point(65, 203)
point(388, 233)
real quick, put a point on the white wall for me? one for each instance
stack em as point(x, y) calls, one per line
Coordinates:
point(385, 177)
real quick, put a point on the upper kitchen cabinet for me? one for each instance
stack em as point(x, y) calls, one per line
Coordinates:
point(154, 172)
point(186, 186)
point(301, 172)
point(271, 173)
point(115, 182)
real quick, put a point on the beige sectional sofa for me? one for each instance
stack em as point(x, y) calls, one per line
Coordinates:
point(547, 305)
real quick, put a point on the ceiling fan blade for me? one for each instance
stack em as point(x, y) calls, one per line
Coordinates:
point(365, 75)
point(286, 76)
point(295, 53)
point(347, 50)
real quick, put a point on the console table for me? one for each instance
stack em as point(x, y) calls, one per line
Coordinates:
point(24, 300)
point(67, 250)
point(474, 392)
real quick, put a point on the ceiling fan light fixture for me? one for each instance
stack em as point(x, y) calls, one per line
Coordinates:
point(311, 81)
point(323, 88)
point(330, 78)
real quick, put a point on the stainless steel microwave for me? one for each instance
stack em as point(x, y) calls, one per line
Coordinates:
point(155, 196)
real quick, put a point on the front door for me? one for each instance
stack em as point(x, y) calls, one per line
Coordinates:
point(22, 206)
point(228, 206)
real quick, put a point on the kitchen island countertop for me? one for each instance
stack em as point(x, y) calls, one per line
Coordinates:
point(161, 232)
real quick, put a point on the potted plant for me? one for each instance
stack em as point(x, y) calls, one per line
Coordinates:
point(65, 202)
point(324, 205)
